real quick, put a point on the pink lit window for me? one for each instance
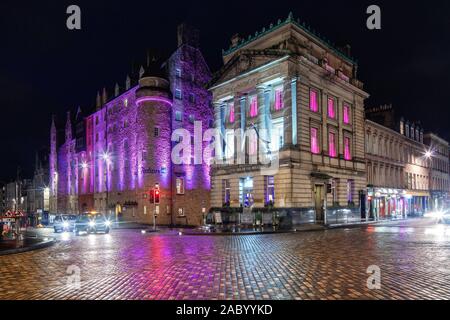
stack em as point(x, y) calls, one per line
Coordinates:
point(346, 114)
point(278, 99)
point(253, 144)
point(332, 144)
point(253, 107)
point(347, 153)
point(314, 141)
point(313, 104)
point(231, 112)
point(331, 109)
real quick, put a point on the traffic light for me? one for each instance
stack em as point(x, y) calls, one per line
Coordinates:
point(157, 196)
point(152, 195)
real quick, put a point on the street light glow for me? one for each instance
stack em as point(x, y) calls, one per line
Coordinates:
point(105, 156)
point(428, 154)
point(84, 165)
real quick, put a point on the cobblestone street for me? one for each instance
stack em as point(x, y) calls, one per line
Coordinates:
point(414, 258)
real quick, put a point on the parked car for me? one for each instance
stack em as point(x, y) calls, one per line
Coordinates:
point(92, 224)
point(64, 222)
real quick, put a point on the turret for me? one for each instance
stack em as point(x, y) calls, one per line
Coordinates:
point(154, 103)
point(153, 85)
point(68, 128)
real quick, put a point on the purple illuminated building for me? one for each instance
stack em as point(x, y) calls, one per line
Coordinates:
point(118, 157)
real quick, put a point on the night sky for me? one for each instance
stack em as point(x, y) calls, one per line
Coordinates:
point(46, 69)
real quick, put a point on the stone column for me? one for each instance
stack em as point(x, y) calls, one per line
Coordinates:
point(261, 121)
point(218, 127)
point(287, 112)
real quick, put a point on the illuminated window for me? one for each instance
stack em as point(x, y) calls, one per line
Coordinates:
point(347, 149)
point(277, 142)
point(181, 212)
point(346, 111)
point(231, 112)
point(252, 143)
point(180, 185)
point(125, 102)
point(332, 144)
point(191, 118)
point(226, 190)
point(313, 103)
point(178, 116)
point(253, 106)
point(278, 98)
point(178, 73)
point(331, 108)
point(270, 189)
point(178, 94)
point(229, 147)
point(315, 141)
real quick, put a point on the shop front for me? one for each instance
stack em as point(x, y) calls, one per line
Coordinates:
point(387, 204)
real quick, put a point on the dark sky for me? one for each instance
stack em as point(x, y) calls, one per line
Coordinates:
point(45, 68)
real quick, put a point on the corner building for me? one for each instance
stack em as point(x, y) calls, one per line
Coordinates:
point(306, 94)
point(122, 150)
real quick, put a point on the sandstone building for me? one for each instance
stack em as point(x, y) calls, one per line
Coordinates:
point(117, 159)
point(305, 95)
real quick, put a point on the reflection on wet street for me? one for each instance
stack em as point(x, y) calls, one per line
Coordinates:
point(413, 256)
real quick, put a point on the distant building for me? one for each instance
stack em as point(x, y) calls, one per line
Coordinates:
point(439, 159)
point(407, 170)
point(16, 195)
point(118, 158)
point(38, 192)
point(2, 197)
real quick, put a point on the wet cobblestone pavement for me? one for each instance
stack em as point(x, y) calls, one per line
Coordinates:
point(414, 258)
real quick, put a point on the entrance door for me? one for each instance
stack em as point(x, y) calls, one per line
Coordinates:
point(319, 202)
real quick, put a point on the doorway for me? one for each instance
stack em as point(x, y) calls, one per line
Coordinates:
point(319, 202)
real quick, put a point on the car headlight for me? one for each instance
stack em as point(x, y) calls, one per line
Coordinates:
point(108, 223)
point(91, 224)
point(65, 224)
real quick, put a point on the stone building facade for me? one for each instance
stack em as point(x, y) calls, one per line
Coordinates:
point(297, 99)
point(439, 177)
point(118, 157)
point(397, 173)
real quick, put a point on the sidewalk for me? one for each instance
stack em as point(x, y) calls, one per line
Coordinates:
point(233, 231)
point(365, 223)
point(27, 244)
